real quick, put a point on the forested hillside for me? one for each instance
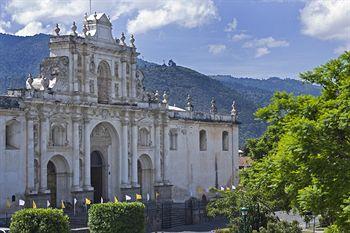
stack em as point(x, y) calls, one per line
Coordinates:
point(22, 55)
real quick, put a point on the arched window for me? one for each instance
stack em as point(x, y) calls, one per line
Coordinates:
point(202, 140)
point(13, 133)
point(103, 82)
point(173, 139)
point(144, 137)
point(225, 141)
point(58, 134)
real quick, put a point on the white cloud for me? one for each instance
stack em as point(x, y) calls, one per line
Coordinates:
point(4, 25)
point(268, 42)
point(31, 29)
point(143, 15)
point(216, 49)
point(186, 13)
point(231, 26)
point(241, 36)
point(327, 20)
point(261, 52)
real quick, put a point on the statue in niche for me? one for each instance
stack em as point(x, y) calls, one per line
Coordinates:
point(116, 90)
point(116, 70)
point(92, 86)
point(92, 65)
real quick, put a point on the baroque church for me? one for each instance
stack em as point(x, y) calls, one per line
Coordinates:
point(86, 128)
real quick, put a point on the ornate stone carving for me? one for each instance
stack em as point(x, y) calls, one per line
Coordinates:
point(92, 86)
point(213, 108)
point(189, 106)
point(132, 41)
point(139, 85)
point(234, 111)
point(55, 71)
point(57, 30)
point(74, 29)
point(29, 82)
point(165, 98)
point(122, 39)
point(92, 66)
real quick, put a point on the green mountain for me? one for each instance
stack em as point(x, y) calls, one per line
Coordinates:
point(22, 55)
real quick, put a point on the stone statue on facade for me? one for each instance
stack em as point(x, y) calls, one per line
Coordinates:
point(165, 98)
point(189, 106)
point(213, 108)
point(234, 111)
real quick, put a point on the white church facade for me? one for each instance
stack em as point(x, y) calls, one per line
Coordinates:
point(85, 127)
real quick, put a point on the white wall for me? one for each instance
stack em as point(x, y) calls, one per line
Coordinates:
point(192, 170)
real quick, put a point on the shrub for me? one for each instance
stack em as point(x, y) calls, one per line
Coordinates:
point(224, 230)
point(39, 221)
point(281, 227)
point(118, 217)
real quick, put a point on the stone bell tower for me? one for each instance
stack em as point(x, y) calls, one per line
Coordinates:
point(101, 69)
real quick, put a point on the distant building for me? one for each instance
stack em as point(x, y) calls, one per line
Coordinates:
point(171, 63)
point(85, 127)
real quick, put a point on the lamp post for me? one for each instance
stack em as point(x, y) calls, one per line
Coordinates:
point(244, 212)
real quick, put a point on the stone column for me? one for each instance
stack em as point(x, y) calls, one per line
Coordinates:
point(30, 155)
point(125, 153)
point(75, 72)
point(157, 152)
point(123, 78)
point(133, 80)
point(44, 127)
point(166, 146)
point(76, 152)
point(134, 137)
point(87, 161)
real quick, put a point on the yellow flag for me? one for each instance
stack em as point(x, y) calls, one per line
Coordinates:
point(138, 197)
point(62, 205)
point(115, 199)
point(8, 203)
point(87, 201)
point(34, 205)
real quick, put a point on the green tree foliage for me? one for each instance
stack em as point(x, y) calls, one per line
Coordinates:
point(120, 217)
point(39, 221)
point(303, 158)
point(229, 204)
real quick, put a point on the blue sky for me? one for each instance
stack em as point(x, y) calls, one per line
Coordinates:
point(242, 38)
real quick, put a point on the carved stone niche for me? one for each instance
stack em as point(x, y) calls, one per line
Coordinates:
point(58, 132)
point(56, 69)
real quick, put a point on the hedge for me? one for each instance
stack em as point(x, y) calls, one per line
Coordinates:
point(39, 221)
point(120, 217)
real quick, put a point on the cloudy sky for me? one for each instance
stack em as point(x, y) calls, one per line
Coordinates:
point(238, 37)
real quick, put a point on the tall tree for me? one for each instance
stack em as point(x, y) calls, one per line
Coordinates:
point(303, 159)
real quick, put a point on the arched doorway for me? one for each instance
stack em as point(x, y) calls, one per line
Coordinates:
point(103, 82)
point(97, 175)
point(58, 180)
point(105, 161)
point(145, 175)
point(52, 183)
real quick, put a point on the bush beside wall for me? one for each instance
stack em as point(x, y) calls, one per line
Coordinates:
point(39, 221)
point(121, 217)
